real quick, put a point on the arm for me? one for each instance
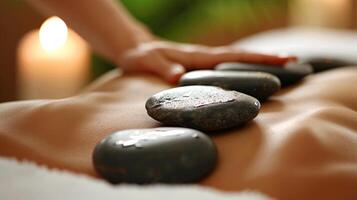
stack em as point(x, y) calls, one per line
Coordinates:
point(112, 32)
point(104, 23)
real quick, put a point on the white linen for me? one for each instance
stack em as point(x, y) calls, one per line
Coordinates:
point(26, 180)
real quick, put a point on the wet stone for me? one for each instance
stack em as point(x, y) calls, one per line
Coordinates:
point(257, 84)
point(206, 108)
point(157, 155)
point(288, 74)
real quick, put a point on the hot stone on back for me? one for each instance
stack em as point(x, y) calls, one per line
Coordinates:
point(166, 155)
point(257, 84)
point(206, 108)
point(288, 74)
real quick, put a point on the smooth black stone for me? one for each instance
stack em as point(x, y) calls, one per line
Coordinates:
point(165, 155)
point(257, 84)
point(290, 74)
point(206, 108)
point(320, 64)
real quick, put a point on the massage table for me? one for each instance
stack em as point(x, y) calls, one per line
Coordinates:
point(302, 145)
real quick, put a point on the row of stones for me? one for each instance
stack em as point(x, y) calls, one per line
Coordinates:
point(208, 100)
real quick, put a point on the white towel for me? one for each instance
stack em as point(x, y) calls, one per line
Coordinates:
point(26, 180)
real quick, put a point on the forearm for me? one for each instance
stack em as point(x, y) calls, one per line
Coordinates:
point(105, 24)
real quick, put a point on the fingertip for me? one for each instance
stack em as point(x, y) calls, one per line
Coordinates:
point(175, 73)
point(293, 58)
point(287, 58)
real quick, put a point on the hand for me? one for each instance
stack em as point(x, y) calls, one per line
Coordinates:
point(117, 36)
point(170, 60)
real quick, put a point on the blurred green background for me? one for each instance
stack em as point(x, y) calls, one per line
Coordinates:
point(210, 22)
point(199, 20)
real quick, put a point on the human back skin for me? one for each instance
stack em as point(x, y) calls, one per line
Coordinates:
point(302, 145)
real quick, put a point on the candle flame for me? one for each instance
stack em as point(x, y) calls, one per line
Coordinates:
point(53, 34)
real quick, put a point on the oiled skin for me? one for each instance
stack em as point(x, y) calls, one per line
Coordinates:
point(302, 145)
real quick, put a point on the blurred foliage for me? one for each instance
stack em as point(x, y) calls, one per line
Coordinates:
point(203, 21)
point(187, 20)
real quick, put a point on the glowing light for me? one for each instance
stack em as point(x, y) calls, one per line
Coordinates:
point(53, 34)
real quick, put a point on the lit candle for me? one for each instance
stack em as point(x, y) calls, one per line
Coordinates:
point(326, 13)
point(53, 62)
